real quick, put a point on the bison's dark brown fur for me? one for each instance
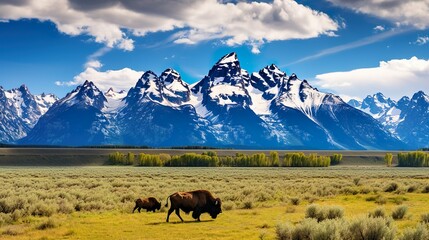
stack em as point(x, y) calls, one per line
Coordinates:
point(197, 202)
point(150, 204)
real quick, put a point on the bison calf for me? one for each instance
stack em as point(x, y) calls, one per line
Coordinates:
point(197, 202)
point(150, 204)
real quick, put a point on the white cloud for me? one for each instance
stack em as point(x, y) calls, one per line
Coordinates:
point(394, 78)
point(400, 12)
point(379, 28)
point(422, 40)
point(93, 64)
point(122, 79)
point(114, 22)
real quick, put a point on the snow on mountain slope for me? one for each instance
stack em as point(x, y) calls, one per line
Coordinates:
point(114, 100)
point(414, 125)
point(408, 119)
point(75, 120)
point(158, 112)
point(19, 112)
point(381, 108)
point(227, 108)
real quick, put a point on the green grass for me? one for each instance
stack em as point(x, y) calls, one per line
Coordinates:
point(96, 202)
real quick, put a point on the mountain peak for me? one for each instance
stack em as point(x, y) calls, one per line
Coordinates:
point(379, 95)
point(229, 58)
point(170, 75)
point(420, 96)
point(23, 87)
point(145, 78)
point(293, 77)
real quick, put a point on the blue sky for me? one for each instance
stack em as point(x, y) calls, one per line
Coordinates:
point(351, 48)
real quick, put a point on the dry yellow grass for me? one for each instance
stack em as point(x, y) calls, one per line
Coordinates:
point(109, 192)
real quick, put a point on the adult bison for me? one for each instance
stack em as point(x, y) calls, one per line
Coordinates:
point(150, 204)
point(197, 202)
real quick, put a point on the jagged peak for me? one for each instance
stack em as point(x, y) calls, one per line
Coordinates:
point(146, 76)
point(23, 87)
point(149, 75)
point(170, 75)
point(420, 95)
point(275, 69)
point(404, 98)
point(110, 90)
point(379, 94)
point(229, 58)
point(293, 77)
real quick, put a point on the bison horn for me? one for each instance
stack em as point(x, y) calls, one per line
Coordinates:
point(216, 202)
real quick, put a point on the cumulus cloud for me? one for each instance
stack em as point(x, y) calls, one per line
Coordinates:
point(122, 79)
point(114, 22)
point(394, 78)
point(409, 12)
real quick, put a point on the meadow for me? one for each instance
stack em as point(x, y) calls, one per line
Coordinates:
point(258, 203)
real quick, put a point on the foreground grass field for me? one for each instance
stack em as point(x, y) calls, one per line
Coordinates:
point(96, 202)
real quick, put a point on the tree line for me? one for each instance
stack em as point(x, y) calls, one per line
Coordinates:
point(211, 159)
point(413, 159)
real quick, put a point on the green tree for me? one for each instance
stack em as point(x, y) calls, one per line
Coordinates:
point(388, 158)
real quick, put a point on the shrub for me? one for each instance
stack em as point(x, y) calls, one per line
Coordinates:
point(11, 231)
point(284, 231)
point(228, 206)
point(42, 209)
point(425, 189)
point(388, 159)
point(50, 223)
point(295, 201)
point(391, 187)
point(356, 181)
point(420, 232)
point(380, 200)
point(323, 213)
point(399, 212)
point(371, 228)
point(304, 230)
point(248, 205)
point(411, 189)
point(424, 218)
point(378, 212)
point(362, 228)
point(334, 212)
point(312, 211)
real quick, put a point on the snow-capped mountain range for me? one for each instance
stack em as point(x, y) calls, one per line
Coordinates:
point(407, 119)
point(20, 110)
point(227, 108)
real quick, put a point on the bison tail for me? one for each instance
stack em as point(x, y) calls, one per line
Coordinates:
point(166, 203)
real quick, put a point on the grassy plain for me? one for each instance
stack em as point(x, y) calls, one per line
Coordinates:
point(96, 202)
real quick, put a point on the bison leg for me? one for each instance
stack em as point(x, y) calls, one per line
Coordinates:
point(196, 214)
point(135, 208)
point(178, 213)
point(169, 212)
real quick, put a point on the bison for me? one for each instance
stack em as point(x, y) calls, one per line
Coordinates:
point(150, 204)
point(197, 202)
